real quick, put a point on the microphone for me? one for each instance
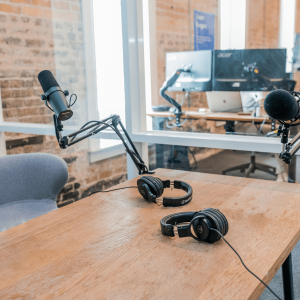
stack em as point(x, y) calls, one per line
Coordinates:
point(281, 105)
point(55, 95)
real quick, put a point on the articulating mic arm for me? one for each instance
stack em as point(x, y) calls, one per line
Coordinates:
point(113, 121)
point(289, 149)
point(253, 72)
point(169, 83)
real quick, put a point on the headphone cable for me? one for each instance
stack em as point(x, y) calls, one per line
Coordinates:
point(127, 187)
point(245, 265)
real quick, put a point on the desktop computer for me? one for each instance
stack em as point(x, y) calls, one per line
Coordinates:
point(199, 77)
point(248, 69)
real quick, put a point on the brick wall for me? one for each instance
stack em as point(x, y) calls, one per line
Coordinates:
point(43, 34)
point(262, 24)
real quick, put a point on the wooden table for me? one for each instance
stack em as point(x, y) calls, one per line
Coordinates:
point(109, 246)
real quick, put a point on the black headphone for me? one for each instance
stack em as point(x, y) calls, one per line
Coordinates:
point(151, 188)
point(202, 222)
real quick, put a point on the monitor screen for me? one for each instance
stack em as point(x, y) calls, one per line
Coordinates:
point(232, 69)
point(200, 77)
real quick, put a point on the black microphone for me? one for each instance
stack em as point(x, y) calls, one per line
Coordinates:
point(55, 95)
point(281, 105)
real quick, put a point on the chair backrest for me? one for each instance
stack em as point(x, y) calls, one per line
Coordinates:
point(29, 185)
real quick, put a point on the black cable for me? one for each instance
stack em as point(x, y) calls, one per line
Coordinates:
point(73, 101)
point(128, 187)
point(244, 264)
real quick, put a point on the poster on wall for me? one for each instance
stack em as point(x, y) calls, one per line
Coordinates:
point(204, 30)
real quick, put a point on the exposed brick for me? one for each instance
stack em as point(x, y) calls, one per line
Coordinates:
point(12, 40)
point(71, 195)
point(4, 84)
point(67, 188)
point(22, 142)
point(62, 204)
point(71, 179)
point(34, 43)
point(15, 9)
point(15, 83)
point(45, 3)
point(21, 1)
point(3, 18)
point(35, 11)
point(61, 5)
point(70, 160)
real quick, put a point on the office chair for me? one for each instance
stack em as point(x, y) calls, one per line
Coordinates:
point(29, 185)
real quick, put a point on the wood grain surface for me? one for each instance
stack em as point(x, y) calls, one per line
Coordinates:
point(109, 246)
point(214, 116)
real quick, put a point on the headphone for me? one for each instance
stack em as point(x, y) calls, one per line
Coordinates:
point(203, 223)
point(151, 188)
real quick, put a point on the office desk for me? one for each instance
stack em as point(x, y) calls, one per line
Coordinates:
point(109, 246)
point(214, 116)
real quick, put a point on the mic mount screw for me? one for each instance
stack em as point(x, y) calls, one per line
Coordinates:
point(66, 93)
point(43, 97)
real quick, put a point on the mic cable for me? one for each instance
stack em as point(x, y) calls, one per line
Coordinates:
point(244, 264)
point(127, 187)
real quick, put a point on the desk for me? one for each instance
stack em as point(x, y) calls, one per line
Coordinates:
point(230, 119)
point(109, 246)
point(214, 116)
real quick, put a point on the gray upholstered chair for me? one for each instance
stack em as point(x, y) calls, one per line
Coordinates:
point(29, 185)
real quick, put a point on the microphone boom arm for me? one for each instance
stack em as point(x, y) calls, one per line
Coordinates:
point(289, 148)
point(114, 121)
point(169, 83)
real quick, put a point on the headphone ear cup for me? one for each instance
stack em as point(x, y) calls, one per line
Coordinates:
point(215, 223)
point(159, 185)
point(201, 227)
point(149, 188)
point(146, 192)
point(222, 218)
point(218, 220)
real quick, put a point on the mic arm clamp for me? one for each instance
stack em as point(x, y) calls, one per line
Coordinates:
point(169, 83)
point(289, 149)
point(113, 121)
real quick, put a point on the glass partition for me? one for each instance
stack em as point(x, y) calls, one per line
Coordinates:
point(216, 62)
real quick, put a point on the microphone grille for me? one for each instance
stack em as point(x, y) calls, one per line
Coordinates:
point(47, 80)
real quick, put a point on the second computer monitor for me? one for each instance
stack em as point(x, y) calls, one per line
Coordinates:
point(200, 77)
point(232, 69)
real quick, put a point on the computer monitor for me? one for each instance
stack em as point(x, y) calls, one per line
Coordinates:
point(200, 77)
point(234, 70)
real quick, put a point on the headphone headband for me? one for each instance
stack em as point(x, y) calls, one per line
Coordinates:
point(151, 188)
point(178, 201)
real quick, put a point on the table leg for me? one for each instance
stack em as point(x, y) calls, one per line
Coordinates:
point(287, 276)
point(292, 165)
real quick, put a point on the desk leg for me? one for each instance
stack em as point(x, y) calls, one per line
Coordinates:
point(229, 126)
point(287, 276)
